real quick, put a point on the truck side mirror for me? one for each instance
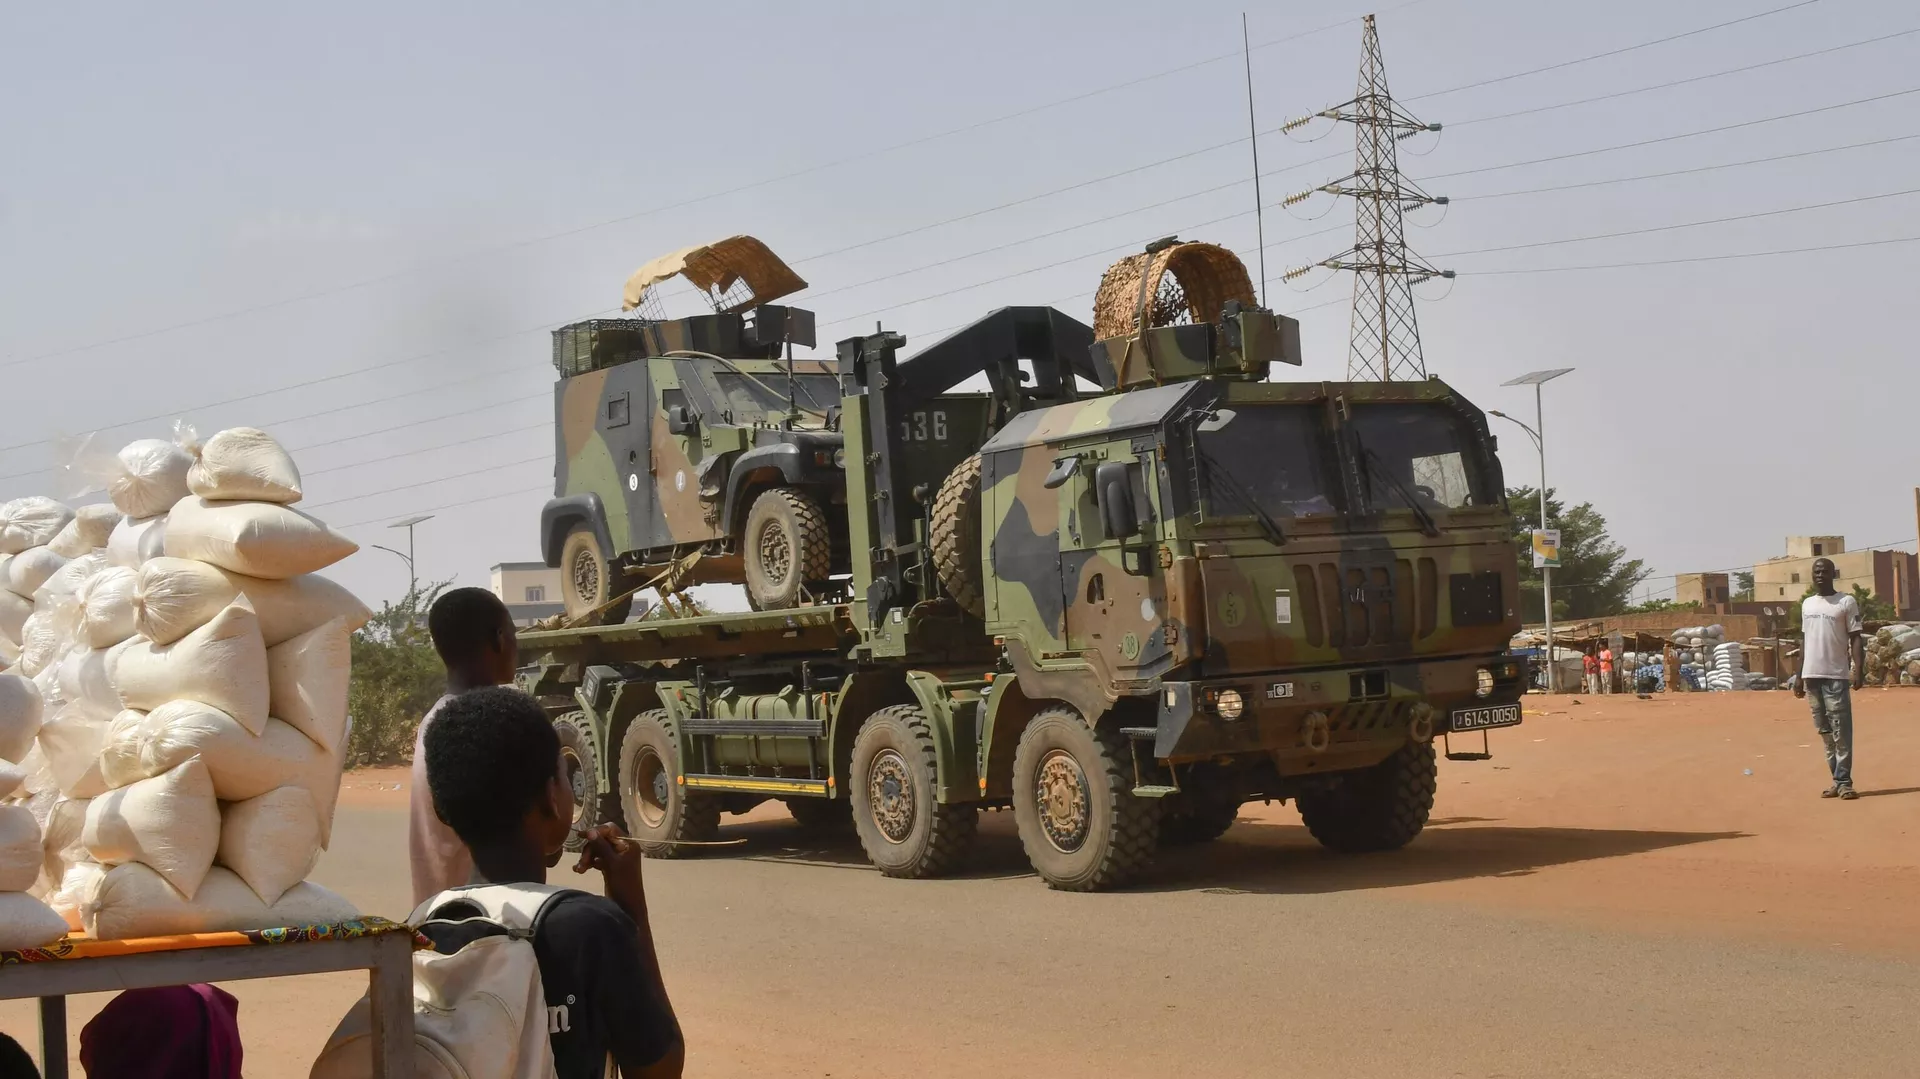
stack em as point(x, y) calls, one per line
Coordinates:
point(1114, 492)
point(680, 421)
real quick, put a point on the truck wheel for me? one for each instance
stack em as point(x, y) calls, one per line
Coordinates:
point(661, 814)
point(906, 832)
point(825, 816)
point(787, 548)
point(583, 773)
point(956, 537)
point(586, 576)
point(1193, 821)
point(1377, 808)
point(1074, 807)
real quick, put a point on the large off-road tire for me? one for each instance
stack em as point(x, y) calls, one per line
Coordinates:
point(1187, 820)
point(905, 831)
point(1074, 806)
point(787, 548)
point(822, 816)
point(583, 773)
point(956, 537)
point(1378, 808)
point(661, 813)
point(587, 577)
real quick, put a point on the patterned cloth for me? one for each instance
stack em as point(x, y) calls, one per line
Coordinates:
point(81, 947)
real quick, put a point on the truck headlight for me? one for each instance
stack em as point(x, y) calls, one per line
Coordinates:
point(1230, 704)
point(840, 458)
point(1483, 683)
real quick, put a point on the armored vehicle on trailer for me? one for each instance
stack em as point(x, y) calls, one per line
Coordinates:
point(1125, 589)
point(697, 449)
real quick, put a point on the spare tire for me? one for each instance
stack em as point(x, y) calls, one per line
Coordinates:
point(956, 537)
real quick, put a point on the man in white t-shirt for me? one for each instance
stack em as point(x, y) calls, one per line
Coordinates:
point(1832, 658)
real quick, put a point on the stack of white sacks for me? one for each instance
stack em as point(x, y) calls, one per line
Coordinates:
point(177, 708)
point(1728, 669)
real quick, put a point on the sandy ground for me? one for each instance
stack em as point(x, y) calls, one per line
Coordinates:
point(1630, 888)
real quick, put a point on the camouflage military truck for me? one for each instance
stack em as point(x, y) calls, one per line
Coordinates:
point(696, 448)
point(1126, 589)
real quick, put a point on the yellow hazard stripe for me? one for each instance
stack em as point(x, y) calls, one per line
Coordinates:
point(745, 783)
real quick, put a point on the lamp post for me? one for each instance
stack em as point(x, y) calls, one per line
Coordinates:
point(1536, 379)
point(408, 523)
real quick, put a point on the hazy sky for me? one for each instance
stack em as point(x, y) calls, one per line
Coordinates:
point(416, 193)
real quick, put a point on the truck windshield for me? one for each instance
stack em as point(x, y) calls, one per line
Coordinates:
point(763, 395)
point(1424, 451)
point(1272, 453)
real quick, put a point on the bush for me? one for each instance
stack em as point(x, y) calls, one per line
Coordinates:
point(396, 677)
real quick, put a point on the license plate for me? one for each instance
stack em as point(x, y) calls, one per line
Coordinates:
point(1279, 691)
point(1480, 719)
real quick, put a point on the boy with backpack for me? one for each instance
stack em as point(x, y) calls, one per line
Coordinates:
point(494, 767)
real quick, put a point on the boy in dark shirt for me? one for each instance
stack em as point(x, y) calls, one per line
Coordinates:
point(494, 767)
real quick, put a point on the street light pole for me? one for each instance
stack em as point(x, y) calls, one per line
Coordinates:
point(408, 523)
point(1536, 379)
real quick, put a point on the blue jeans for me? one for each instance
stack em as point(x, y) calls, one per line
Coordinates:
point(1832, 702)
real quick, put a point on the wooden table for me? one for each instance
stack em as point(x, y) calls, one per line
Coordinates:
point(84, 966)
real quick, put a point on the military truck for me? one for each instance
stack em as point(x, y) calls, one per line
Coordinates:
point(696, 449)
point(1125, 589)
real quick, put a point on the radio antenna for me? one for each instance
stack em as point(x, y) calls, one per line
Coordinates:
point(1253, 136)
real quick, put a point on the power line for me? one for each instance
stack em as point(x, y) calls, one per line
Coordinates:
point(1676, 138)
point(693, 200)
point(1690, 79)
point(546, 457)
point(1698, 258)
point(542, 426)
point(1613, 52)
point(1687, 172)
point(1685, 224)
point(545, 487)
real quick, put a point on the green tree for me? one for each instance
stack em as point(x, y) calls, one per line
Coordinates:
point(1653, 605)
point(1743, 587)
point(1595, 576)
point(396, 677)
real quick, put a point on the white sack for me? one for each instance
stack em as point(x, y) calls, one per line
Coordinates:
point(137, 539)
point(61, 835)
point(272, 841)
point(20, 857)
point(25, 922)
point(77, 885)
point(14, 611)
point(106, 599)
point(9, 651)
point(309, 677)
point(67, 581)
point(71, 742)
point(223, 664)
point(20, 713)
point(12, 778)
point(170, 823)
point(134, 901)
point(29, 569)
point(86, 682)
point(176, 596)
point(242, 765)
point(120, 750)
point(90, 528)
point(31, 522)
point(244, 464)
point(259, 539)
point(152, 476)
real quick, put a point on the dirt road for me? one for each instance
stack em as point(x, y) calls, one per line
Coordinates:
point(1630, 888)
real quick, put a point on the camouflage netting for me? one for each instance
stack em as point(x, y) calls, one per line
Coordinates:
point(1185, 283)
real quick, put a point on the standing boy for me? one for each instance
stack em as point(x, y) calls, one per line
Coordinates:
point(474, 635)
point(499, 781)
point(1832, 658)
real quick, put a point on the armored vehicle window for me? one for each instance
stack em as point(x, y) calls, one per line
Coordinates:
point(1421, 451)
point(764, 396)
point(1273, 452)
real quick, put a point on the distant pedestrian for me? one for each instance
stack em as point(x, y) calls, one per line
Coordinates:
point(474, 634)
point(1590, 666)
point(1832, 658)
point(1606, 668)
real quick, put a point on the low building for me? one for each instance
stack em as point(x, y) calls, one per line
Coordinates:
point(1711, 592)
point(1892, 577)
point(531, 590)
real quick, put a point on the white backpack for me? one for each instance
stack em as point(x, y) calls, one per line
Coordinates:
point(478, 1013)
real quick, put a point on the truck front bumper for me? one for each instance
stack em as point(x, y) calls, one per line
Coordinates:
point(1312, 718)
